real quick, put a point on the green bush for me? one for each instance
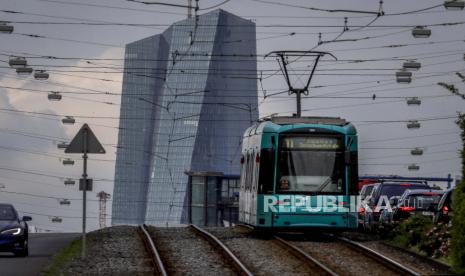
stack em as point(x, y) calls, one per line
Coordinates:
point(418, 232)
point(458, 220)
point(437, 242)
point(412, 231)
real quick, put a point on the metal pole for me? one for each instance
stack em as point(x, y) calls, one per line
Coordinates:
point(299, 103)
point(84, 196)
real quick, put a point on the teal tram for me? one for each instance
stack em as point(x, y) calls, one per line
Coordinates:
point(299, 173)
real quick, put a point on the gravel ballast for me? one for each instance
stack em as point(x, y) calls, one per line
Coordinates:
point(185, 253)
point(261, 255)
point(410, 260)
point(112, 251)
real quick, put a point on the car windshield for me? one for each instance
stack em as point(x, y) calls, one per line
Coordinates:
point(366, 191)
point(7, 213)
point(421, 201)
point(311, 165)
point(398, 189)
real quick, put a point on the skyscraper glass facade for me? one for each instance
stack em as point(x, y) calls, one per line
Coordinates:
point(198, 87)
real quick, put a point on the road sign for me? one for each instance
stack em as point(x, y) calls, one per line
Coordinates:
point(84, 142)
point(85, 183)
point(77, 145)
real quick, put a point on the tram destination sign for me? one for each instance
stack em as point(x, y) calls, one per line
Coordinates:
point(309, 142)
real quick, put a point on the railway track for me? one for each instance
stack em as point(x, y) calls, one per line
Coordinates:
point(152, 251)
point(299, 253)
point(268, 255)
point(189, 251)
point(233, 252)
point(215, 242)
point(377, 256)
point(344, 256)
point(325, 254)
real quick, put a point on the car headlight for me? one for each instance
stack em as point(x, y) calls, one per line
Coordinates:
point(12, 231)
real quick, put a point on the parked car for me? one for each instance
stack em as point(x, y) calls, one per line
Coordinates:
point(366, 191)
point(412, 202)
point(13, 231)
point(365, 195)
point(444, 208)
point(379, 198)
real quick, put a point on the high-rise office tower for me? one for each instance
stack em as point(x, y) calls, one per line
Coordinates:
point(188, 95)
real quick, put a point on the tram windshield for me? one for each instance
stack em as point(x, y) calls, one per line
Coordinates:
point(312, 165)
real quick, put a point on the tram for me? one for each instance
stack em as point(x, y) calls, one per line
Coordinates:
point(299, 173)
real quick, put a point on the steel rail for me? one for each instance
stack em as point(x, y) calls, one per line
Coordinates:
point(299, 253)
point(436, 264)
point(240, 267)
point(296, 251)
point(152, 251)
point(380, 258)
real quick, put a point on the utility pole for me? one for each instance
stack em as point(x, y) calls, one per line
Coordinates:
point(283, 62)
point(103, 197)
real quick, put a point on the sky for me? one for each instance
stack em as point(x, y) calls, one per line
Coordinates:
point(88, 73)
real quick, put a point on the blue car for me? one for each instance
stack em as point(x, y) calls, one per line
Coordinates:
point(13, 231)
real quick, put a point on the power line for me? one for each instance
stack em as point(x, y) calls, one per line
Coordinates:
point(406, 155)
point(409, 148)
point(111, 7)
point(442, 24)
point(346, 10)
point(69, 40)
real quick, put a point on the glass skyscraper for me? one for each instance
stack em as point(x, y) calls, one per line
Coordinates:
point(188, 95)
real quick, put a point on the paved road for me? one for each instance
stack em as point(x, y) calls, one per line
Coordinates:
point(41, 249)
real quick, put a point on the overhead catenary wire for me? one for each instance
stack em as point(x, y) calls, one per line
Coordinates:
point(278, 97)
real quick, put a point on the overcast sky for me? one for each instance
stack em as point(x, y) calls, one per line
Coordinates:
point(30, 163)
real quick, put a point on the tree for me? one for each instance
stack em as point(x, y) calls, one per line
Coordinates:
point(458, 220)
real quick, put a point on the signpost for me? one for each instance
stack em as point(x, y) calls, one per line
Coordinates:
point(85, 142)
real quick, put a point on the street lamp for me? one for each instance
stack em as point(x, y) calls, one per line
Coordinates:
point(68, 120)
point(57, 220)
point(54, 96)
point(5, 28)
point(413, 124)
point(413, 101)
point(421, 32)
point(65, 202)
point(62, 145)
point(68, 162)
point(411, 65)
point(17, 62)
point(70, 181)
point(416, 151)
point(24, 71)
point(404, 76)
point(454, 5)
point(41, 75)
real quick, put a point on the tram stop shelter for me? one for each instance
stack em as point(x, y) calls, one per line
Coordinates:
point(212, 198)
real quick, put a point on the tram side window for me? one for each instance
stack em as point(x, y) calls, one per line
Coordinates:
point(248, 172)
point(266, 174)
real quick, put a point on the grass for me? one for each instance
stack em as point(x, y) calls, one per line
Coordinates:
point(60, 260)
